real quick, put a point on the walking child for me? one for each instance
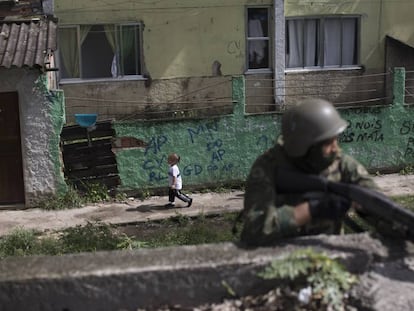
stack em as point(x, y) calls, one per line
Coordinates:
point(175, 182)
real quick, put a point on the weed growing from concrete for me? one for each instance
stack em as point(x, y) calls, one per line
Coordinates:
point(407, 170)
point(324, 279)
point(70, 199)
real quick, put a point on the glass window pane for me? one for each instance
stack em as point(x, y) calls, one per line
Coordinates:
point(258, 54)
point(258, 23)
point(349, 41)
point(332, 42)
point(129, 46)
point(68, 52)
point(294, 43)
point(311, 45)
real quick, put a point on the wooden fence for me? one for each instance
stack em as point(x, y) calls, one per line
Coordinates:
point(88, 156)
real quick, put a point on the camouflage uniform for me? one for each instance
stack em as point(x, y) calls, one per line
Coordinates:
point(268, 215)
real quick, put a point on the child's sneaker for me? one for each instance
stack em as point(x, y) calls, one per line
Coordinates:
point(169, 205)
point(190, 202)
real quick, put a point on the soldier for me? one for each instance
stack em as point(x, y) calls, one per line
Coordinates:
point(308, 144)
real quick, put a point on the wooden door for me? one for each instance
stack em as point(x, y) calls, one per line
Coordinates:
point(11, 169)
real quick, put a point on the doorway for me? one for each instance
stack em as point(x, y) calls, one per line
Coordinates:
point(11, 165)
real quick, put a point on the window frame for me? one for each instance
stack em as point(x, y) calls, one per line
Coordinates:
point(118, 27)
point(321, 34)
point(269, 39)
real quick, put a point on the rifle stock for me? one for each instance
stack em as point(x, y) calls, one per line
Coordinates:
point(372, 202)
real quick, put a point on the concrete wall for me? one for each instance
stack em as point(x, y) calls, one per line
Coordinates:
point(397, 21)
point(41, 121)
point(141, 99)
point(190, 276)
point(221, 150)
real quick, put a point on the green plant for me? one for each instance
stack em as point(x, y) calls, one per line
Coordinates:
point(121, 197)
point(407, 170)
point(89, 238)
point(96, 192)
point(19, 243)
point(129, 243)
point(405, 200)
point(70, 199)
point(22, 242)
point(327, 277)
point(143, 193)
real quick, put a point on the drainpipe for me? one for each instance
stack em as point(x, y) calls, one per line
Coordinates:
point(279, 52)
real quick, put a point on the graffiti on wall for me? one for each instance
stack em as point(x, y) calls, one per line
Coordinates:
point(407, 130)
point(211, 150)
point(363, 131)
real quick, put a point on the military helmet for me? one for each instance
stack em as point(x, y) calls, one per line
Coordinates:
point(308, 122)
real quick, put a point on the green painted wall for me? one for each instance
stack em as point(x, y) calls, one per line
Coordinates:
point(57, 110)
point(223, 149)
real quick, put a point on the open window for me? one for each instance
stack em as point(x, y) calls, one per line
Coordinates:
point(100, 51)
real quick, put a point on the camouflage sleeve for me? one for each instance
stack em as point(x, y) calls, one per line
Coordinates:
point(354, 172)
point(264, 222)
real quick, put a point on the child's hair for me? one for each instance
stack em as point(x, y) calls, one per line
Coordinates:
point(174, 156)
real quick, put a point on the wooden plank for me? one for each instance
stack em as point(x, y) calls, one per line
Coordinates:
point(74, 157)
point(81, 146)
point(96, 171)
point(86, 164)
point(75, 132)
point(110, 182)
point(76, 165)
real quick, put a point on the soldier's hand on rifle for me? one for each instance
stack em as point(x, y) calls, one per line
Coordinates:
point(331, 206)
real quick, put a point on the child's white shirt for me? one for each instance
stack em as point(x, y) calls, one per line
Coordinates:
point(174, 171)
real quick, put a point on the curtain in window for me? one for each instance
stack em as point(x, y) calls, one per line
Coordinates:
point(332, 46)
point(128, 44)
point(110, 36)
point(303, 43)
point(295, 43)
point(69, 48)
point(311, 43)
point(256, 47)
point(349, 26)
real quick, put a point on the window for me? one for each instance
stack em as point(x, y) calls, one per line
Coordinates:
point(258, 40)
point(322, 42)
point(100, 51)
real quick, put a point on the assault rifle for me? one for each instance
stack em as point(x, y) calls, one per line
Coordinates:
point(373, 203)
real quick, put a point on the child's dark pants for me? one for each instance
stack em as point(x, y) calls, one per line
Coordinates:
point(172, 193)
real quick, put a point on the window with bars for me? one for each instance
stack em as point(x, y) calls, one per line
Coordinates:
point(100, 51)
point(322, 42)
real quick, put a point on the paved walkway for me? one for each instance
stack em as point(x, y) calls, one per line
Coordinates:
point(134, 210)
